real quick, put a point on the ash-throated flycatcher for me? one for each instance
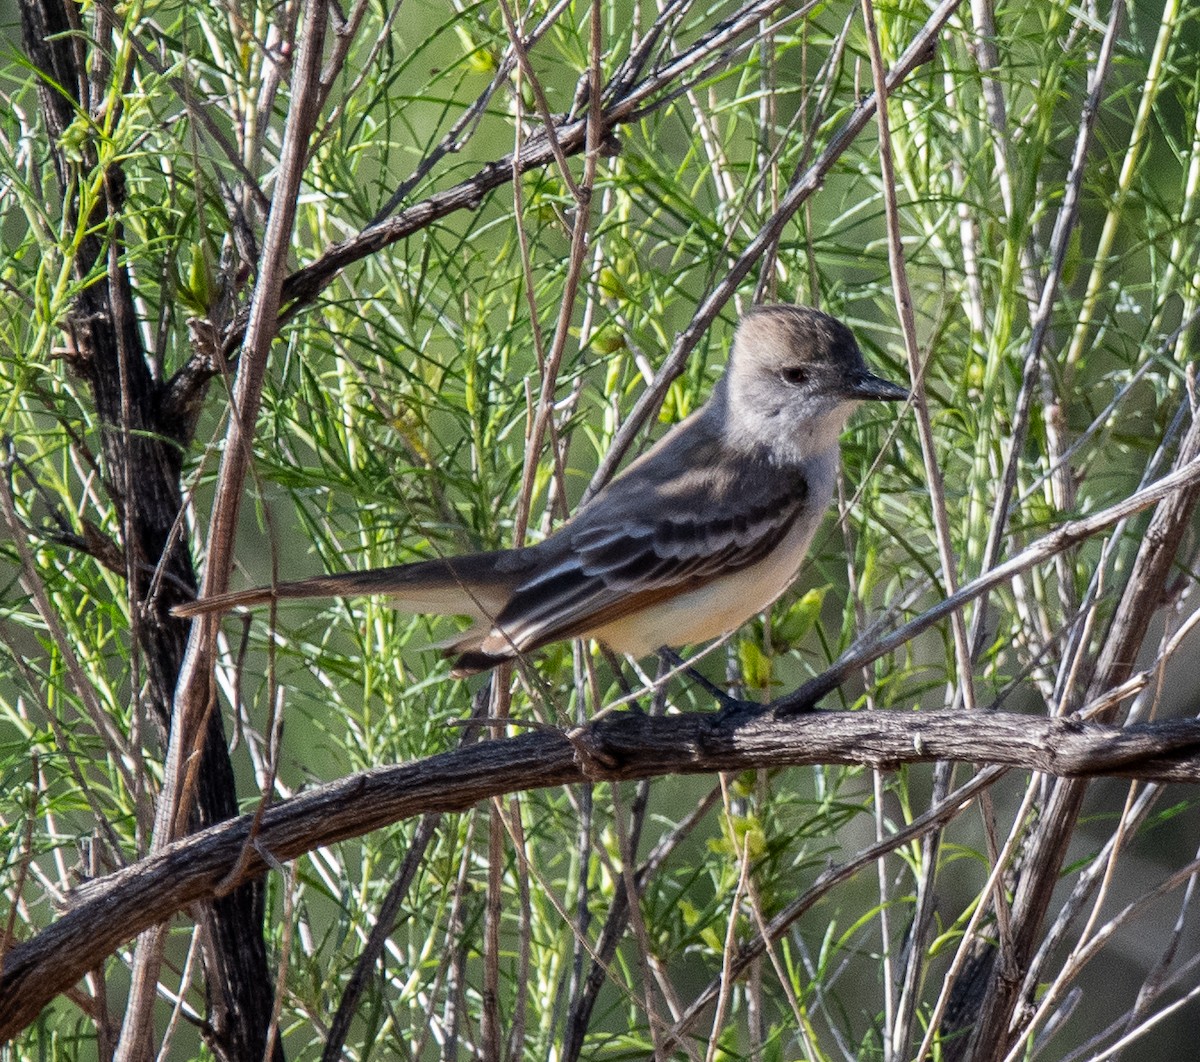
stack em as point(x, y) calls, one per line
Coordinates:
point(699, 534)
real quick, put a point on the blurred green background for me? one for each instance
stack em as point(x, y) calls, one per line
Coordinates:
point(394, 426)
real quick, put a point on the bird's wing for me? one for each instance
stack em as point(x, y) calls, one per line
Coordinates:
point(644, 541)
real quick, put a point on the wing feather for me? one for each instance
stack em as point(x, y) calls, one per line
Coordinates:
point(641, 542)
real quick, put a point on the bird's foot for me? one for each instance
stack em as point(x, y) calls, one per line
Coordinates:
point(730, 706)
point(800, 702)
point(734, 709)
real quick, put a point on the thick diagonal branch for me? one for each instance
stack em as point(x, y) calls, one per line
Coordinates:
point(111, 910)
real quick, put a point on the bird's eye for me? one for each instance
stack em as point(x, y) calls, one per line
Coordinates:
point(795, 375)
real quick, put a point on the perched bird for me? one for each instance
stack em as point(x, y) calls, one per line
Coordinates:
point(696, 536)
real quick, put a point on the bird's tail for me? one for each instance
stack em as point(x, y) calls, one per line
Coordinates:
point(475, 585)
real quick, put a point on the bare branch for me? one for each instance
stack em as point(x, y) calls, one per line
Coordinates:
point(1117, 658)
point(195, 695)
point(620, 747)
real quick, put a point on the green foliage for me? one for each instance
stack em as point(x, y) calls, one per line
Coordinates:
point(395, 425)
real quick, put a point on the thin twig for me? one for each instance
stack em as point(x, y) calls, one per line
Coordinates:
point(194, 692)
point(936, 816)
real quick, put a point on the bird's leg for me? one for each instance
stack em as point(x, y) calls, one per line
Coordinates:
point(618, 669)
point(729, 705)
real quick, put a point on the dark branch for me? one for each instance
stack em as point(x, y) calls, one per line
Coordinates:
point(108, 912)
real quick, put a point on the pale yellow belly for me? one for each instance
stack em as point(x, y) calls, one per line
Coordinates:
point(717, 607)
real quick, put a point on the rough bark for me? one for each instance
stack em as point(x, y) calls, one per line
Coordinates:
point(623, 746)
point(141, 460)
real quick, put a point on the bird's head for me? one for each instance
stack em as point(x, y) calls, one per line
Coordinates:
point(795, 375)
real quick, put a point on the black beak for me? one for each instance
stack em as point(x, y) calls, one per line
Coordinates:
point(871, 388)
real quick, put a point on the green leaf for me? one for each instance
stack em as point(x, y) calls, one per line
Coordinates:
point(789, 628)
point(755, 665)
